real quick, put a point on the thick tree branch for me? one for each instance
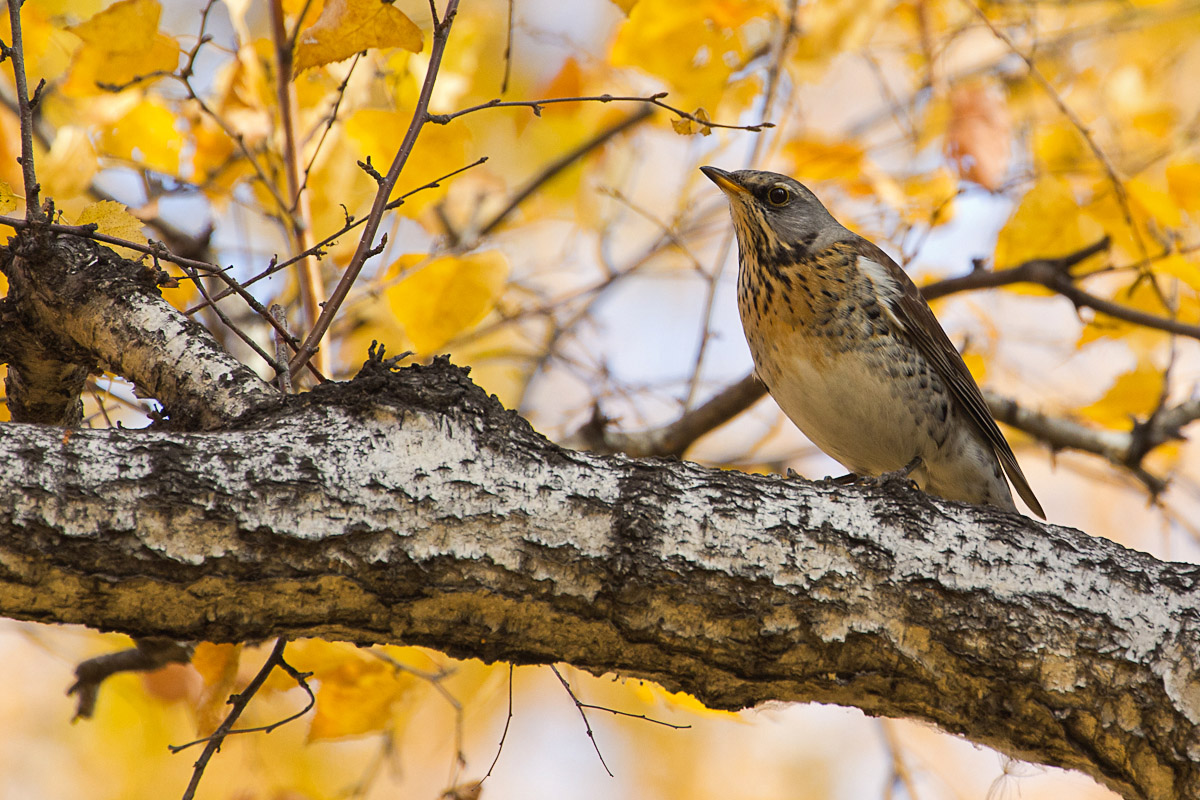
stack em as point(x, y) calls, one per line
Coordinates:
point(100, 312)
point(411, 508)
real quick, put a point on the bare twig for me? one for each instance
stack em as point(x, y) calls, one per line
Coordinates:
point(298, 210)
point(148, 654)
point(16, 54)
point(587, 725)
point(562, 162)
point(507, 722)
point(160, 251)
point(366, 244)
point(238, 703)
point(350, 225)
point(536, 107)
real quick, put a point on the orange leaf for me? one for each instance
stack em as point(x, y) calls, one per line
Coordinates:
point(977, 138)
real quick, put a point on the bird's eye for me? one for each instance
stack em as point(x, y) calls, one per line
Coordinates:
point(779, 196)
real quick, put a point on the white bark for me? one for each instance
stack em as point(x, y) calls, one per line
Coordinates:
point(408, 507)
point(88, 308)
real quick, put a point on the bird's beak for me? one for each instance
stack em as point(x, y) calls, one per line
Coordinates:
point(727, 183)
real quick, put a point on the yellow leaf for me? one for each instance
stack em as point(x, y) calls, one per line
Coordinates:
point(120, 43)
point(1059, 147)
point(146, 135)
point(1180, 267)
point(626, 6)
point(1183, 182)
point(694, 47)
point(683, 126)
point(1047, 223)
point(1134, 394)
point(67, 170)
point(1142, 298)
point(651, 694)
point(356, 697)
point(446, 296)
point(218, 666)
point(8, 198)
point(1153, 203)
point(113, 219)
point(834, 28)
point(377, 133)
point(346, 27)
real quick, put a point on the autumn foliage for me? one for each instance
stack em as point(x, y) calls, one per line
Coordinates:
point(584, 271)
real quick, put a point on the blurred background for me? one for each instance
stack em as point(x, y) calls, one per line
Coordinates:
point(587, 272)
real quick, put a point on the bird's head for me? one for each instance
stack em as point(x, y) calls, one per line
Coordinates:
point(773, 212)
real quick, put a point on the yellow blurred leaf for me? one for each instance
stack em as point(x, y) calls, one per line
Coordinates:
point(1142, 298)
point(357, 697)
point(120, 43)
point(831, 29)
point(1059, 147)
point(1047, 223)
point(1178, 266)
point(626, 6)
point(377, 132)
point(67, 170)
point(977, 364)
point(1183, 182)
point(218, 666)
point(113, 219)
point(929, 199)
point(817, 159)
point(1154, 203)
point(651, 694)
point(685, 126)
point(8, 198)
point(146, 135)
point(346, 27)
point(694, 47)
point(977, 139)
point(1133, 394)
point(446, 296)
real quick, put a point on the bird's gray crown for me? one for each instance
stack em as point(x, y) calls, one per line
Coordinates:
point(786, 207)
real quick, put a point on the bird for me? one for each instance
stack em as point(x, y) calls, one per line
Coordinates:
point(852, 353)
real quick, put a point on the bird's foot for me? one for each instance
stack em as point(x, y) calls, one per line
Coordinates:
point(902, 476)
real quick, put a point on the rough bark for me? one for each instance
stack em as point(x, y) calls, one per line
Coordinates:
point(91, 310)
point(410, 508)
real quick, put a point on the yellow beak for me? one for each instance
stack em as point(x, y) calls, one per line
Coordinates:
point(726, 182)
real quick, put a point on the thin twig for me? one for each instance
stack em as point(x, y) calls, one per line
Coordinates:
point(536, 107)
point(160, 251)
point(366, 244)
point(238, 703)
point(507, 722)
point(16, 54)
point(350, 225)
point(579, 707)
point(508, 49)
point(561, 163)
point(1076, 122)
point(298, 211)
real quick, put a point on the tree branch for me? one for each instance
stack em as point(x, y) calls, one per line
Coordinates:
point(409, 507)
point(101, 312)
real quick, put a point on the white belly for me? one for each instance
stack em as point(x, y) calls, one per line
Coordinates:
point(851, 409)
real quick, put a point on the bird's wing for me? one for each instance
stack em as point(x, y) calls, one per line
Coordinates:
point(913, 314)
